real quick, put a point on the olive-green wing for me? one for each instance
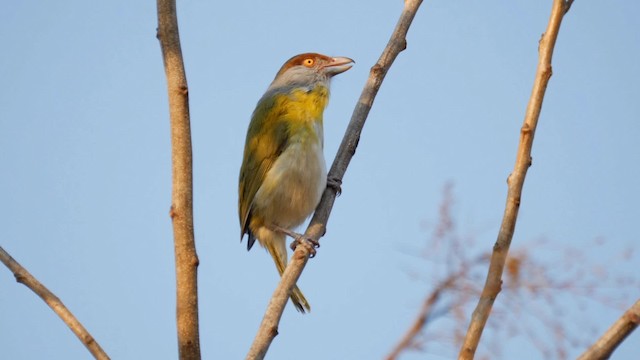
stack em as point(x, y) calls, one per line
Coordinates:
point(267, 137)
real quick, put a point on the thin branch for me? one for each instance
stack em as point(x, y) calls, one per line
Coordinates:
point(186, 258)
point(607, 344)
point(425, 313)
point(317, 227)
point(515, 183)
point(24, 277)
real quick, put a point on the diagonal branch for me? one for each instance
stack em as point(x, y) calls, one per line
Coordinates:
point(515, 183)
point(317, 228)
point(607, 344)
point(426, 312)
point(186, 258)
point(24, 277)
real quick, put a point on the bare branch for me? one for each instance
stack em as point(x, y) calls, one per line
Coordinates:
point(609, 341)
point(530, 303)
point(186, 258)
point(24, 277)
point(425, 313)
point(515, 183)
point(317, 227)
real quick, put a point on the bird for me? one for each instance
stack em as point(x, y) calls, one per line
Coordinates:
point(283, 172)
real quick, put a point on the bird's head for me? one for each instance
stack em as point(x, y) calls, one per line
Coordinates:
point(307, 70)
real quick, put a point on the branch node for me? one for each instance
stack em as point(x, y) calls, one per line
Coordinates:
point(540, 41)
point(353, 146)
point(274, 331)
point(567, 5)
point(307, 250)
point(516, 201)
point(20, 278)
point(377, 70)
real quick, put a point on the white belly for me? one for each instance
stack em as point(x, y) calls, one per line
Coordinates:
point(293, 186)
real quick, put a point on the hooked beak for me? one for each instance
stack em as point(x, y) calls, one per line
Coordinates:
point(338, 65)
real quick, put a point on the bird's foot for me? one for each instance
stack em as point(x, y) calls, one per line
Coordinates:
point(306, 241)
point(335, 183)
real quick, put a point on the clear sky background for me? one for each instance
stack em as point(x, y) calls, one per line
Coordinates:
point(85, 159)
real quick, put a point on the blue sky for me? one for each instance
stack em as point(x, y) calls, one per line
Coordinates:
point(85, 157)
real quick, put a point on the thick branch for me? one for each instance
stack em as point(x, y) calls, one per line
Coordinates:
point(25, 278)
point(607, 344)
point(317, 227)
point(186, 258)
point(515, 183)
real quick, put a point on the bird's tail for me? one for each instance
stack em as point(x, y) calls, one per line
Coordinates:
point(278, 252)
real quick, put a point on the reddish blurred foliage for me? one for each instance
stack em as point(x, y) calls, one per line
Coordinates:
point(547, 291)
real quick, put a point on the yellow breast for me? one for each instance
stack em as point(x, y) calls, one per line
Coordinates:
point(293, 186)
point(302, 108)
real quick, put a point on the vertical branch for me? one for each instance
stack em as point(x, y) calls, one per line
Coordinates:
point(181, 213)
point(606, 345)
point(24, 277)
point(269, 326)
point(515, 182)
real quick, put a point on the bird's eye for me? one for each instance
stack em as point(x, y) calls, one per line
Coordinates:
point(308, 62)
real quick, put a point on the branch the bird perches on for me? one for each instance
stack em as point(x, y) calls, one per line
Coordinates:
point(317, 227)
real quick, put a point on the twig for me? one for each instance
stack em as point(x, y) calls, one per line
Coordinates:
point(186, 258)
point(24, 277)
point(515, 183)
point(425, 313)
point(606, 345)
point(317, 227)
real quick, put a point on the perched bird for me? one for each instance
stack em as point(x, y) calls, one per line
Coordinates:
point(283, 173)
